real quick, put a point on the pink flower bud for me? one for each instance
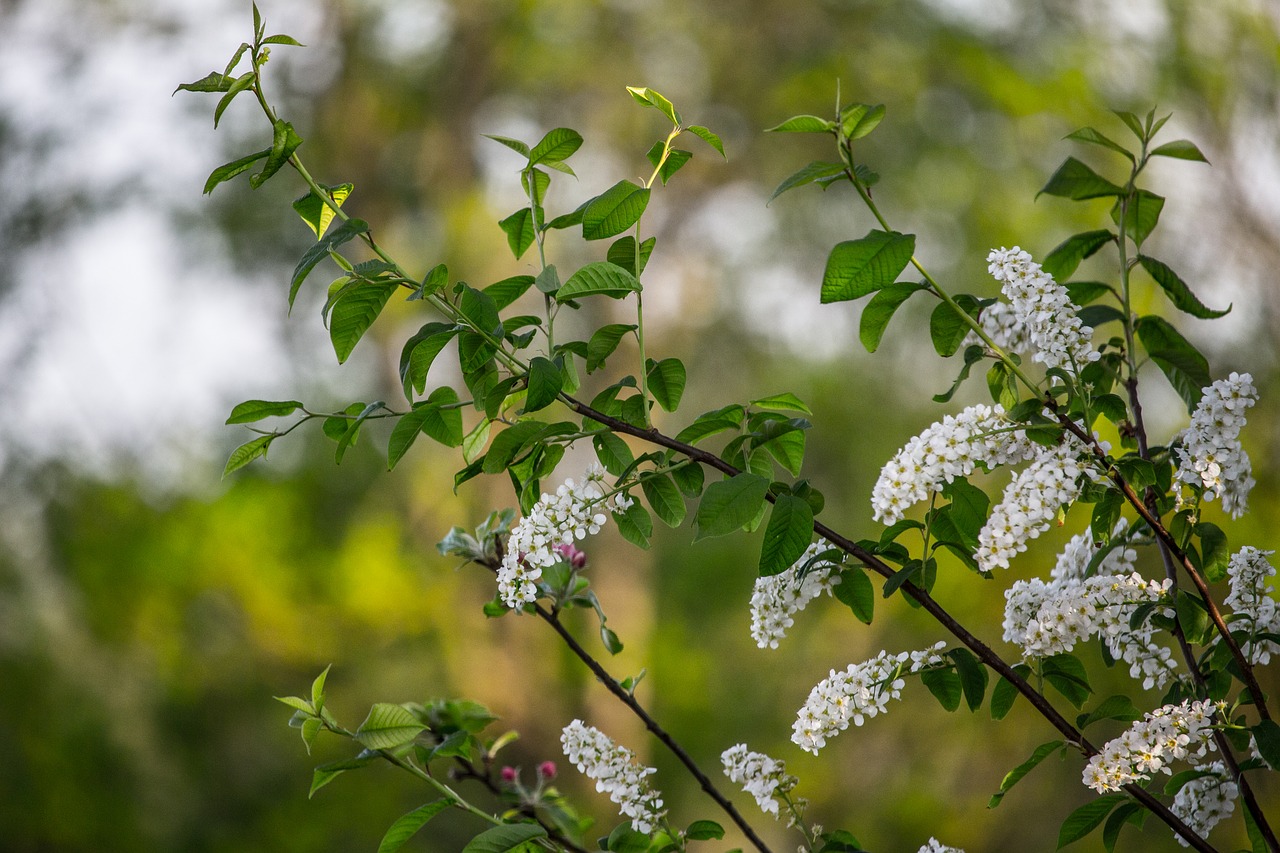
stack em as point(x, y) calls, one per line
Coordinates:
point(547, 770)
point(572, 555)
point(509, 774)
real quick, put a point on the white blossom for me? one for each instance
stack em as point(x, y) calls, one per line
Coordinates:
point(1000, 323)
point(759, 775)
point(1074, 558)
point(574, 512)
point(1250, 598)
point(775, 599)
point(1167, 734)
point(1211, 458)
point(936, 846)
point(1030, 503)
point(1202, 803)
point(1043, 308)
point(616, 773)
point(862, 690)
point(953, 447)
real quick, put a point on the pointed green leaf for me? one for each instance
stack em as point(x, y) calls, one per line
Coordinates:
point(1177, 291)
point(855, 592)
point(349, 435)
point(1183, 149)
point(704, 830)
point(858, 267)
point(315, 212)
point(788, 449)
point(1143, 215)
point(803, 124)
point(598, 278)
point(784, 402)
point(1004, 694)
point(1132, 122)
point(1067, 255)
point(514, 144)
point(1016, 775)
point(1088, 134)
point(519, 230)
point(354, 313)
point(613, 212)
point(211, 82)
point(244, 81)
point(1112, 708)
point(1075, 180)
point(230, 170)
point(255, 410)
point(326, 773)
point(480, 310)
point(635, 525)
point(1184, 366)
point(944, 684)
point(880, 310)
point(603, 342)
point(1085, 819)
point(507, 291)
point(819, 172)
point(857, 120)
point(406, 826)
point(947, 328)
point(283, 39)
point(545, 383)
point(501, 839)
point(730, 504)
point(320, 250)
point(708, 137)
point(676, 158)
point(419, 352)
point(623, 253)
point(247, 452)
point(649, 98)
point(973, 676)
point(663, 498)
point(666, 382)
point(1067, 674)
point(556, 146)
point(788, 534)
point(284, 142)
point(387, 727)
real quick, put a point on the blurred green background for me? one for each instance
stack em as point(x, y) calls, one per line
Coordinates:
point(149, 612)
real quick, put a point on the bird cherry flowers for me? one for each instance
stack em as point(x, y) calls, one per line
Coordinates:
point(616, 773)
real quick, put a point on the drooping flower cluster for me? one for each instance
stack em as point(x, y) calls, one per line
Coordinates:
point(1030, 502)
point(863, 690)
point(1073, 560)
point(1249, 571)
point(953, 447)
point(1001, 324)
point(1043, 308)
point(1050, 618)
point(616, 773)
point(1167, 734)
point(1204, 802)
point(936, 846)
point(759, 775)
point(1211, 457)
point(574, 512)
point(777, 598)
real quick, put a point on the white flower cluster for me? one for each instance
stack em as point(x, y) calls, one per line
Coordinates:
point(1043, 308)
point(1050, 618)
point(951, 448)
point(1166, 734)
point(1073, 560)
point(572, 513)
point(777, 598)
point(936, 846)
point(1211, 457)
point(1249, 572)
point(615, 772)
point(1001, 324)
point(863, 690)
point(1204, 802)
point(759, 775)
point(1030, 503)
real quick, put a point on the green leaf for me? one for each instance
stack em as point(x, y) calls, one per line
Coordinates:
point(973, 677)
point(1186, 369)
point(1016, 775)
point(354, 313)
point(519, 230)
point(315, 212)
point(349, 435)
point(947, 328)
point(387, 727)
point(1067, 674)
point(880, 310)
point(556, 146)
point(1177, 291)
point(599, 277)
point(506, 837)
point(816, 172)
point(1125, 813)
point(649, 98)
point(1076, 181)
point(803, 124)
point(211, 82)
point(1112, 708)
point(664, 498)
point(247, 452)
point(230, 170)
point(283, 39)
point(623, 253)
point(613, 212)
point(284, 142)
point(788, 534)
point(255, 410)
point(419, 352)
point(858, 267)
point(442, 424)
point(1214, 551)
point(676, 158)
point(1143, 214)
point(856, 592)
point(1088, 134)
point(635, 525)
point(346, 231)
point(480, 310)
point(326, 773)
point(784, 402)
point(244, 81)
point(545, 384)
point(730, 504)
point(317, 688)
point(704, 830)
point(1132, 122)
point(708, 137)
point(857, 120)
point(1183, 149)
point(603, 342)
point(1085, 819)
point(944, 684)
point(406, 826)
point(514, 144)
point(436, 278)
point(614, 453)
point(788, 449)
point(1063, 260)
point(1267, 736)
point(1004, 694)
point(666, 380)
point(1193, 618)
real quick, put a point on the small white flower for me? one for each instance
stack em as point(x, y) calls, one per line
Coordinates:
point(1170, 733)
point(616, 773)
point(775, 599)
point(1043, 310)
point(936, 846)
point(1250, 597)
point(759, 775)
point(1030, 503)
point(1204, 802)
point(1211, 458)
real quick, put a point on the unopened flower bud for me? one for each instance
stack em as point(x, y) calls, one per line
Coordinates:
point(547, 770)
point(572, 555)
point(509, 774)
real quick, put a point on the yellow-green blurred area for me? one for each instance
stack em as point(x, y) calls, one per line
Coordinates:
point(150, 612)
